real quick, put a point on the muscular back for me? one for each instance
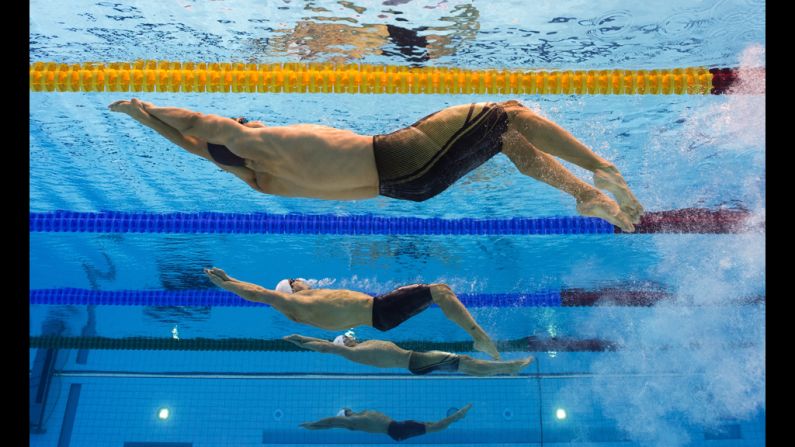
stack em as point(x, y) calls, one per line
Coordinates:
point(382, 354)
point(332, 309)
point(311, 161)
point(369, 421)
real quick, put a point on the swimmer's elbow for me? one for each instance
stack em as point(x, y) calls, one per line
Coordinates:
point(323, 348)
point(253, 184)
point(188, 126)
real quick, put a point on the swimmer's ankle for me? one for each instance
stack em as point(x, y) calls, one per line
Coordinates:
point(605, 166)
point(588, 195)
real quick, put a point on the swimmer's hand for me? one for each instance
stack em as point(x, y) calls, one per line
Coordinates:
point(119, 106)
point(458, 415)
point(295, 339)
point(217, 276)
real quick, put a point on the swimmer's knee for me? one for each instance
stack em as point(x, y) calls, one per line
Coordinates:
point(513, 106)
point(514, 109)
point(512, 103)
point(440, 289)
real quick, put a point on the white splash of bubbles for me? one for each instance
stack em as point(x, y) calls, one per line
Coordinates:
point(714, 347)
point(323, 283)
point(738, 122)
point(709, 132)
point(459, 285)
point(699, 359)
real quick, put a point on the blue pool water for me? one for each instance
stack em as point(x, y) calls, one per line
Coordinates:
point(687, 371)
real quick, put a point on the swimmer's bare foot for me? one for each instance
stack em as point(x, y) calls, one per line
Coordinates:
point(486, 345)
point(609, 179)
point(518, 365)
point(599, 205)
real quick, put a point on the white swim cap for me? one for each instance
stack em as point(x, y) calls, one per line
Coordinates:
point(340, 339)
point(284, 286)
point(341, 413)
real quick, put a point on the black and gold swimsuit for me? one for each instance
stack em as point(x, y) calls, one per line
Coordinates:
point(422, 160)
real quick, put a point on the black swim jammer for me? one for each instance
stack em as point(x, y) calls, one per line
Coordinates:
point(397, 306)
point(426, 362)
point(405, 429)
point(422, 160)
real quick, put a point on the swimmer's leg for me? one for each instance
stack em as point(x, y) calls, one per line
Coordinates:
point(444, 297)
point(541, 166)
point(475, 367)
point(555, 140)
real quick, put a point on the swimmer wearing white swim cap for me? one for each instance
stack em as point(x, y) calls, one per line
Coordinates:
point(371, 421)
point(340, 309)
point(292, 285)
point(385, 354)
point(347, 339)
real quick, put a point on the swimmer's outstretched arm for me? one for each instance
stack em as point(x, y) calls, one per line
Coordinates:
point(431, 427)
point(326, 423)
point(136, 111)
point(315, 344)
point(212, 128)
point(247, 291)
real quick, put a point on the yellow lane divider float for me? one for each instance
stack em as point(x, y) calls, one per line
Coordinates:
point(162, 76)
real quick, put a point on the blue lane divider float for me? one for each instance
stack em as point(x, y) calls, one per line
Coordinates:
point(222, 298)
point(210, 222)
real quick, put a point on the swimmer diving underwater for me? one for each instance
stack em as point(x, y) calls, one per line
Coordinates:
point(385, 354)
point(337, 309)
point(372, 421)
point(414, 163)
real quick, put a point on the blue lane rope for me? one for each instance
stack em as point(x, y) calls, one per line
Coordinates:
point(210, 222)
point(222, 298)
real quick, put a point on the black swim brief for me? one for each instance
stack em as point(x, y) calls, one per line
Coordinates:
point(422, 160)
point(397, 306)
point(426, 362)
point(405, 429)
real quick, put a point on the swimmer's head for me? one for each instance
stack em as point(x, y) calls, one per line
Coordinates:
point(299, 284)
point(247, 123)
point(345, 412)
point(347, 339)
point(292, 285)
